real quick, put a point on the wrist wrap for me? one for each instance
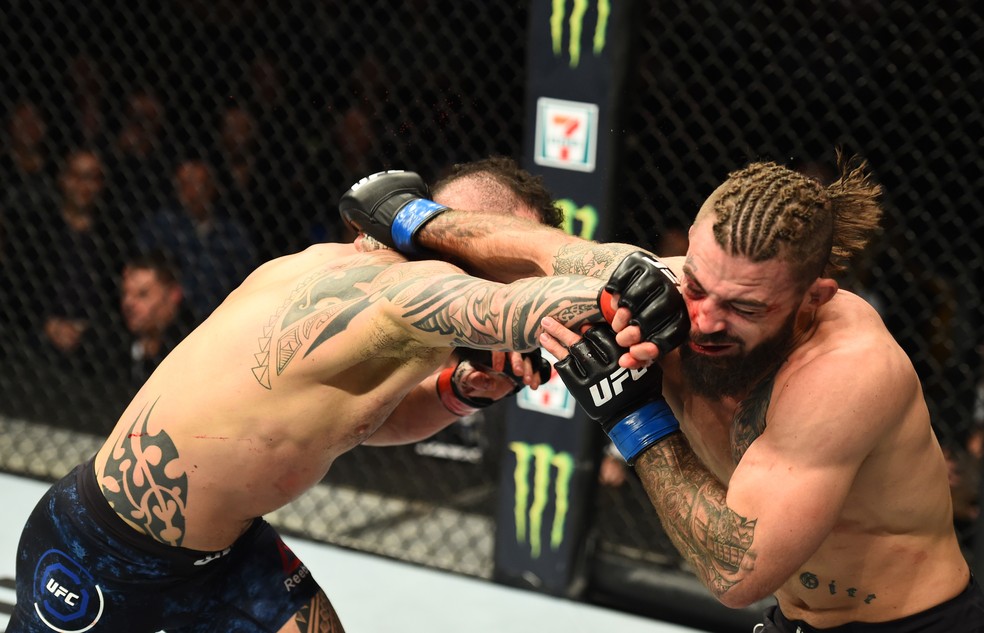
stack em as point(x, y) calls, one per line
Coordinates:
point(449, 396)
point(605, 304)
point(642, 428)
point(409, 219)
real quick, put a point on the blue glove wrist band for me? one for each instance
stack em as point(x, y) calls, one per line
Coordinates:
point(641, 429)
point(410, 218)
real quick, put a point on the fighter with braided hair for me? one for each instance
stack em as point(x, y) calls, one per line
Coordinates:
point(786, 445)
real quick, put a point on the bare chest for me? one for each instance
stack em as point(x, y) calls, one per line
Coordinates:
point(720, 431)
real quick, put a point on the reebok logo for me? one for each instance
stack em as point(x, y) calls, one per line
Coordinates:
point(612, 386)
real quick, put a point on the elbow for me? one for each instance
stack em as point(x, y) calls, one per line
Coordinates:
point(737, 600)
point(743, 594)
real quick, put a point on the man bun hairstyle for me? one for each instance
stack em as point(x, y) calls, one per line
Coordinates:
point(767, 211)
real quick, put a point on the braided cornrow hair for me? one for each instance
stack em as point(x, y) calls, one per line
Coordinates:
point(766, 211)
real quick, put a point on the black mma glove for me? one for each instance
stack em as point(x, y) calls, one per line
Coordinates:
point(649, 289)
point(628, 403)
point(389, 206)
point(449, 380)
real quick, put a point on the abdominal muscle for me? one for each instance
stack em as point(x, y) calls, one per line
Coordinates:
point(865, 577)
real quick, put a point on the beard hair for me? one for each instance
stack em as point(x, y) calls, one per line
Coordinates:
point(735, 376)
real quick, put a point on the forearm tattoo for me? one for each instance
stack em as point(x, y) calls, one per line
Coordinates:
point(590, 259)
point(478, 314)
point(468, 311)
point(145, 483)
point(693, 509)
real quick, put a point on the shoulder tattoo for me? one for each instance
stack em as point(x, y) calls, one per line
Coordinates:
point(319, 307)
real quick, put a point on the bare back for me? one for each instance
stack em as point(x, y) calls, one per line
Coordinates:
point(301, 363)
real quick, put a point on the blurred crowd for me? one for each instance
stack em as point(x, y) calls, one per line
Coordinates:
point(119, 234)
point(120, 231)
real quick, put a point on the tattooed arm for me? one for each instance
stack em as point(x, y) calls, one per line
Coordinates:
point(464, 311)
point(422, 413)
point(506, 248)
point(798, 452)
point(459, 310)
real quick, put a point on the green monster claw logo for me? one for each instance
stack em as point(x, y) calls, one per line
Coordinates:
point(586, 218)
point(529, 514)
point(576, 23)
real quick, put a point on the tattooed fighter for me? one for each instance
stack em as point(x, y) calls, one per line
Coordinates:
point(806, 467)
point(314, 354)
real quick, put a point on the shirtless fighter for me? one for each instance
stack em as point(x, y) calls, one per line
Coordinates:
point(314, 354)
point(804, 466)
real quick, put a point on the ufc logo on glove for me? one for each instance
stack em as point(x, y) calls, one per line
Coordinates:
point(612, 386)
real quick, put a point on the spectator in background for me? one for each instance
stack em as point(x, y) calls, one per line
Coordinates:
point(61, 260)
point(85, 118)
point(26, 172)
point(141, 161)
point(214, 249)
point(151, 301)
point(251, 184)
point(26, 165)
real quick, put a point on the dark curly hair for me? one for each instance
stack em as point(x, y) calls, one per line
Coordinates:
point(492, 175)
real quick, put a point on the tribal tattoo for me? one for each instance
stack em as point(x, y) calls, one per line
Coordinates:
point(144, 482)
point(693, 509)
point(469, 311)
point(318, 308)
point(318, 616)
point(478, 314)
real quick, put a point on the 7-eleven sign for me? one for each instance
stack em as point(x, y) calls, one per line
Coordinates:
point(566, 134)
point(552, 397)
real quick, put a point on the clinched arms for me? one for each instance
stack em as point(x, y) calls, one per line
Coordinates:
point(626, 402)
point(391, 207)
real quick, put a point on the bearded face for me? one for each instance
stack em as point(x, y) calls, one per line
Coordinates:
point(734, 375)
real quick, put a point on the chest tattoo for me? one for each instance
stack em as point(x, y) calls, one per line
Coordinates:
point(749, 420)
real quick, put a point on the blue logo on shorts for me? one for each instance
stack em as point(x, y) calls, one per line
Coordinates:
point(67, 598)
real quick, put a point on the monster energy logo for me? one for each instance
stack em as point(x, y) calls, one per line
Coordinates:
point(586, 219)
point(575, 22)
point(529, 513)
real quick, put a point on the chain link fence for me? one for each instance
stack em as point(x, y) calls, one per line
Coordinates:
point(720, 84)
point(116, 110)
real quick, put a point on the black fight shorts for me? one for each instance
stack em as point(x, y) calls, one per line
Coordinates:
point(962, 614)
point(80, 568)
